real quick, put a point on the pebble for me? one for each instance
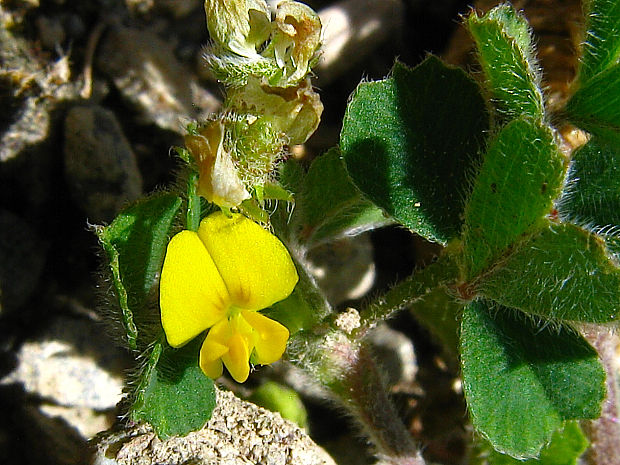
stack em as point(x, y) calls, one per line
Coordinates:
point(71, 364)
point(22, 256)
point(100, 167)
point(152, 80)
point(51, 32)
point(344, 268)
point(395, 354)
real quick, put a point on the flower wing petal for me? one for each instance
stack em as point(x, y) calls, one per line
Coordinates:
point(254, 264)
point(272, 336)
point(192, 295)
point(213, 348)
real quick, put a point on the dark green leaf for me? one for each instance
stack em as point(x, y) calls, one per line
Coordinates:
point(135, 243)
point(565, 448)
point(174, 396)
point(562, 272)
point(596, 104)
point(602, 42)
point(591, 198)
point(331, 205)
point(410, 142)
point(521, 175)
point(506, 54)
point(592, 194)
point(523, 380)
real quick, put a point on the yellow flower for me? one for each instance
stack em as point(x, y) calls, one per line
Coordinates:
point(219, 278)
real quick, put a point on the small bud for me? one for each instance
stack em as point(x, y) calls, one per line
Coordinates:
point(239, 26)
point(219, 180)
point(294, 42)
point(294, 111)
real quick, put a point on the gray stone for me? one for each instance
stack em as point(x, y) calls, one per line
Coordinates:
point(239, 433)
point(71, 364)
point(178, 8)
point(100, 167)
point(150, 78)
point(37, 87)
point(22, 256)
point(51, 32)
point(395, 354)
point(343, 268)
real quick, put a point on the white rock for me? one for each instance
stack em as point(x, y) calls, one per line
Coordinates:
point(239, 433)
point(70, 365)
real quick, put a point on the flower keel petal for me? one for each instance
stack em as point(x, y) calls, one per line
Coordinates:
point(237, 359)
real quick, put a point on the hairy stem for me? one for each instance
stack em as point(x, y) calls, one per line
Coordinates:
point(192, 219)
point(408, 291)
point(363, 392)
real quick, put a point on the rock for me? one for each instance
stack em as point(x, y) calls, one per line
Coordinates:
point(150, 78)
point(178, 8)
point(100, 167)
point(71, 364)
point(395, 354)
point(239, 433)
point(51, 32)
point(33, 438)
point(352, 30)
point(22, 256)
point(344, 268)
point(36, 87)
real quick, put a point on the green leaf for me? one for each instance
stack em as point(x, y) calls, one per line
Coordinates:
point(521, 175)
point(507, 58)
point(602, 42)
point(523, 380)
point(591, 198)
point(562, 272)
point(174, 395)
point(331, 205)
point(566, 447)
point(595, 104)
point(135, 243)
point(400, 153)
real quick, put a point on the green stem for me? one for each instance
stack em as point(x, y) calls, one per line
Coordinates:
point(408, 291)
point(192, 220)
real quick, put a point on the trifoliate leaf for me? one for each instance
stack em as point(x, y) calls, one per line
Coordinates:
point(411, 141)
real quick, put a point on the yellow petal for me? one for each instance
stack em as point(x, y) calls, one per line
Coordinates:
point(210, 354)
point(214, 346)
point(192, 295)
point(272, 336)
point(254, 264)
point(237, 359)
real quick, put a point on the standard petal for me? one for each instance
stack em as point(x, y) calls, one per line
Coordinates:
point(237, 359)
point(254, 264)
point(270, 342)
point(192, 295)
